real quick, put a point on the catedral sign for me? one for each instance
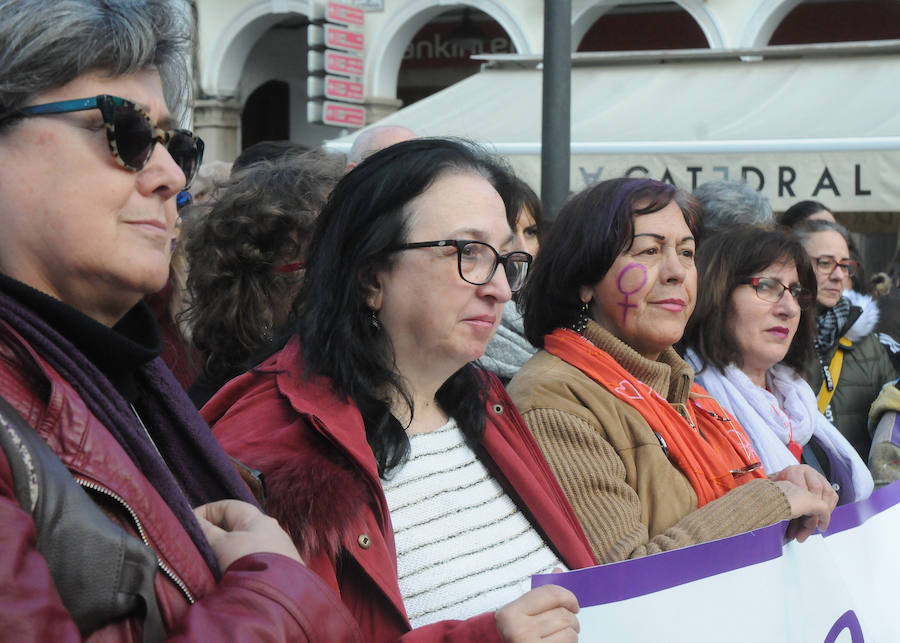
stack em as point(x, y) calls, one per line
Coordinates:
point(845, 181)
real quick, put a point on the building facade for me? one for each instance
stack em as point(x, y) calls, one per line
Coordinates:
point(251, 55)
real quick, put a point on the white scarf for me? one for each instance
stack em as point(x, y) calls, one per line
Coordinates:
point(771, 420)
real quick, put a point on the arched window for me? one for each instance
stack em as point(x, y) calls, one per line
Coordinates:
point(817, 21)
point(267, 114)
point(653, 25)
point(439, 54)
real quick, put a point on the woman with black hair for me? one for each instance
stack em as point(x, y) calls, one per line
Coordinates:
point(402, 470)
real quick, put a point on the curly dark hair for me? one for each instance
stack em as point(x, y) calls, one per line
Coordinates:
point(241, 281)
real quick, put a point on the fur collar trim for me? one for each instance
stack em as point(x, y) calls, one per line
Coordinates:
point(317, 500)
point(866, 322)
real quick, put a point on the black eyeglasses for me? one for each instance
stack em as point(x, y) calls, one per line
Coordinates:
point(477, 261)
point(772, 290)
point(130, 132)
point(826, 263)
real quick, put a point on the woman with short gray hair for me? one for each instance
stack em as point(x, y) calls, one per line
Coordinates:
point(90, 164)
point(851, 365)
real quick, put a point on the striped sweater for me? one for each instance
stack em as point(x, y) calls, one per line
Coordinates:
point(463, 547)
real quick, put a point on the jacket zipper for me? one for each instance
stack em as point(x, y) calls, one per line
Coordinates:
point(88, 484)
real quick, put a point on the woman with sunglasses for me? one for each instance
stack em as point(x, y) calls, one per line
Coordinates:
point(850, 365)
point(649, 461)
point(750, 340)
point(90, 167)
point(401, 468)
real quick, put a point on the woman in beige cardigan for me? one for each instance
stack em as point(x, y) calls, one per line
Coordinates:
point(648, 461)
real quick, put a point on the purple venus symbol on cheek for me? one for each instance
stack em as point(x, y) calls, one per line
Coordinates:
point(629, 284)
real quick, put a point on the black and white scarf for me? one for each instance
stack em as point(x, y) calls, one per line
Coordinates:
point(830, 322)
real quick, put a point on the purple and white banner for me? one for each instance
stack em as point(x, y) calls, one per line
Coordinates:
point(834, 588)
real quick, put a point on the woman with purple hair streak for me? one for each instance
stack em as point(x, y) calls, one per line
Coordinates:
point(649, 461)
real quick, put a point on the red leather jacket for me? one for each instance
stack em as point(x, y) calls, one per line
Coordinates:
point(262, 596)
point(324, 488)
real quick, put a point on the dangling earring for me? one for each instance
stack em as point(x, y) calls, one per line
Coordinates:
point(581, 323)
point(373, 320)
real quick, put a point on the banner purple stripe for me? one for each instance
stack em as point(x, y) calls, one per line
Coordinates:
point(853, 515)
point(630, 578)
point(627, 579)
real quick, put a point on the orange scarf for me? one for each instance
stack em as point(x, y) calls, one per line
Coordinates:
point(714, 452)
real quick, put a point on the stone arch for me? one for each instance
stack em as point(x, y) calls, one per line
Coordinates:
point(383, 58)
point(712, 29)
point(224, 57)
point(762, 22)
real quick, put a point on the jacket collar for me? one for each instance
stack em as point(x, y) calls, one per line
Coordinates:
point(527, 478)
point(314, 396)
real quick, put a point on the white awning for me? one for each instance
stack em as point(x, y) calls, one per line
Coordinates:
point(818, 121)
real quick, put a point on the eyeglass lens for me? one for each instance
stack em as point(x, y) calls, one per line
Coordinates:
point(478, 262)
point(771, 290)
point(134, 142)
point(827, 265)
point(516, 266)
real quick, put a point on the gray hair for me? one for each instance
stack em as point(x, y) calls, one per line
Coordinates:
point(730, 203)
point(47, 44)
point(808, 227)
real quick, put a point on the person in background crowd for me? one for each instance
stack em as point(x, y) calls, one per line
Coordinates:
point(375, 138)
point(805, 210)
point(90, 166)
point(850, 364)
point(209, 178)
point(750, 340)
point(815, 211)
point(881, 285)
point(729, 203)
point(884, 422)
point(614, 408)
point(887, 297)
point(882, 312)
point(889, 308)
point(509, 349)
point(266, 151)
point(247, 255)
point(169, 303)
point(857, 287)
point(894, 269)
point(401, 468)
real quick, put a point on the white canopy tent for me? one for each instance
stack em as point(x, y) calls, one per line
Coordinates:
point(796, 122)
